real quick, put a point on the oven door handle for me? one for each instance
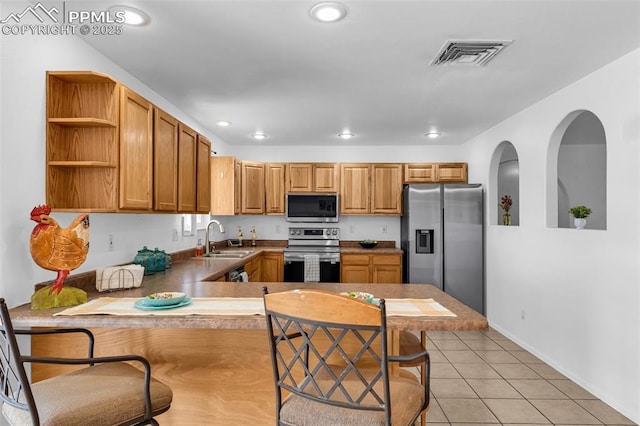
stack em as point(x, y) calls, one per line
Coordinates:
point(300, 258)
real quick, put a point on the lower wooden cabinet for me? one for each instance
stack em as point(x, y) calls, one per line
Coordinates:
point(273, 267)
point(370, 268)
point(253, 268)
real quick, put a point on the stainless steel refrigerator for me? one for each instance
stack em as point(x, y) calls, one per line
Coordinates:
point(442, 235)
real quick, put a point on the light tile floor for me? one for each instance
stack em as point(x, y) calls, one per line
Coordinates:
point(483, 378)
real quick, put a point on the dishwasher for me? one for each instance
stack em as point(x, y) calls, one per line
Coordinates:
point(237, 275)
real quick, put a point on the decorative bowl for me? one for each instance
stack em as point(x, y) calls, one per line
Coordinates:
point(368, 244)
point(359, 295)
point(164, 299)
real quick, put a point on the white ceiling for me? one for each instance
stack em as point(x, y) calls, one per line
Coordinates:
point(265, 65)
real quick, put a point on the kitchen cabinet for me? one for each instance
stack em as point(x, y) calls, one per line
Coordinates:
point(253, 268)
point(225, 186)
point(313, 177)
point(370, 268)
point(187, 153)
point(165, 161)
point(419, 173)
point(203, 175)
point(252, 182)
point(272, 267)
point(386, 189)
point(136, 151)
point(370, 188)
point(355, 188)
point(451, 172)
point(274, 188)
point(435, 173)
point(82, 141)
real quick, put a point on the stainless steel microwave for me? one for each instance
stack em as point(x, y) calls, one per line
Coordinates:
point(312, 207)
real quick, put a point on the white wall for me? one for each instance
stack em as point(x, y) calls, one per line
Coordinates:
point(578, 289)
point(24, 61)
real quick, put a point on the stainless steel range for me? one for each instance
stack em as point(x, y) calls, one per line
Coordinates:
point(309, 248)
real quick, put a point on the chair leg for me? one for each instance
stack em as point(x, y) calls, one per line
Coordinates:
point(423, 375)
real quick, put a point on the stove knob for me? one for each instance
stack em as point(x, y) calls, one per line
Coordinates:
point(334, 232)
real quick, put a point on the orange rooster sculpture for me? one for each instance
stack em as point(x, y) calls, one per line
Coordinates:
point(61, 250)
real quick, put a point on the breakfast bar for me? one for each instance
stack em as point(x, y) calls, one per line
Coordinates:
point(218, 366)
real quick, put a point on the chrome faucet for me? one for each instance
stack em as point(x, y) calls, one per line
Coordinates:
point(207, 243)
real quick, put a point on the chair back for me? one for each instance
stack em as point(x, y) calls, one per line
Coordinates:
point(329, 348)
point(16, 390)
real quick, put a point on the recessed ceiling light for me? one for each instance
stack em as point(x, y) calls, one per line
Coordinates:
point(132, 16)
point(259, 135)
point(328, 12)
point(223, 123)
point(433, 135)
point(346, 135)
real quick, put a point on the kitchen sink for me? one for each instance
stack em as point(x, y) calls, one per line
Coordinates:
point(228, 254)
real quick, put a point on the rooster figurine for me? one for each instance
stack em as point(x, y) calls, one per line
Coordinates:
point(58, 249)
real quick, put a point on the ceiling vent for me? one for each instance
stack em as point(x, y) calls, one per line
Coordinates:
point(469, 52)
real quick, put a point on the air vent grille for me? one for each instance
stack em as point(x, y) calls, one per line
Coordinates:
point(469, 52)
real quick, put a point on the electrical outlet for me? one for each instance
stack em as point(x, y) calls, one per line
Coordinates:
point(384, 229)
point(523, 314)
point(110, 245)
point(352, 229)
point(277, 229)
point(174, 234)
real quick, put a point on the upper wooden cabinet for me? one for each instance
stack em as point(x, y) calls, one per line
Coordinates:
point(203, 175)
point(451, 172)
point(419, 173)
point(136, 151)
point(109, 150)
point(252, 182)
point(274, 188)
point(386, 189)
point(355, 187)
point(165, 161)
point(313, 177)
point(435, 173)
point(82, 141)
point(225, 186)
point(370, 188)
point(187, 161)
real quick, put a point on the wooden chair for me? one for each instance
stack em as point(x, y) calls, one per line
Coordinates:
point(329, 354)
point(109, 391)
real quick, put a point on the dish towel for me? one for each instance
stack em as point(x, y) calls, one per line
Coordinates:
point(244, 277)
point(311, 268)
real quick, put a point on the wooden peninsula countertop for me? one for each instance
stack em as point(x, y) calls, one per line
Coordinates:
point(194, 276)
point(218, 367)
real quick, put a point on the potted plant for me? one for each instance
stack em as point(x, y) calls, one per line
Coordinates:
point(505, 205)
point(580, 215)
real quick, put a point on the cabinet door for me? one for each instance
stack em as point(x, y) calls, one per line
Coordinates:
point(254, 269)
point(136, 151)
point(273, 267)
point(203, 175)
point(419, 173)
point(225, 186)
point(354, 188)
point(252, 188)
point(299, 177)
point(274, 187)
point(165, 161)
point(354, 268)
point(451, 172)
point(386, 268)
point(187, 143)
point(386, 193)
point(326, 177)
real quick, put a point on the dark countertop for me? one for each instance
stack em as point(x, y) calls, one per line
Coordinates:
point(196, 276)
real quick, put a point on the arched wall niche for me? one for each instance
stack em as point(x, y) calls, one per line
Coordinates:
point(577, 170)
point(505, 180)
